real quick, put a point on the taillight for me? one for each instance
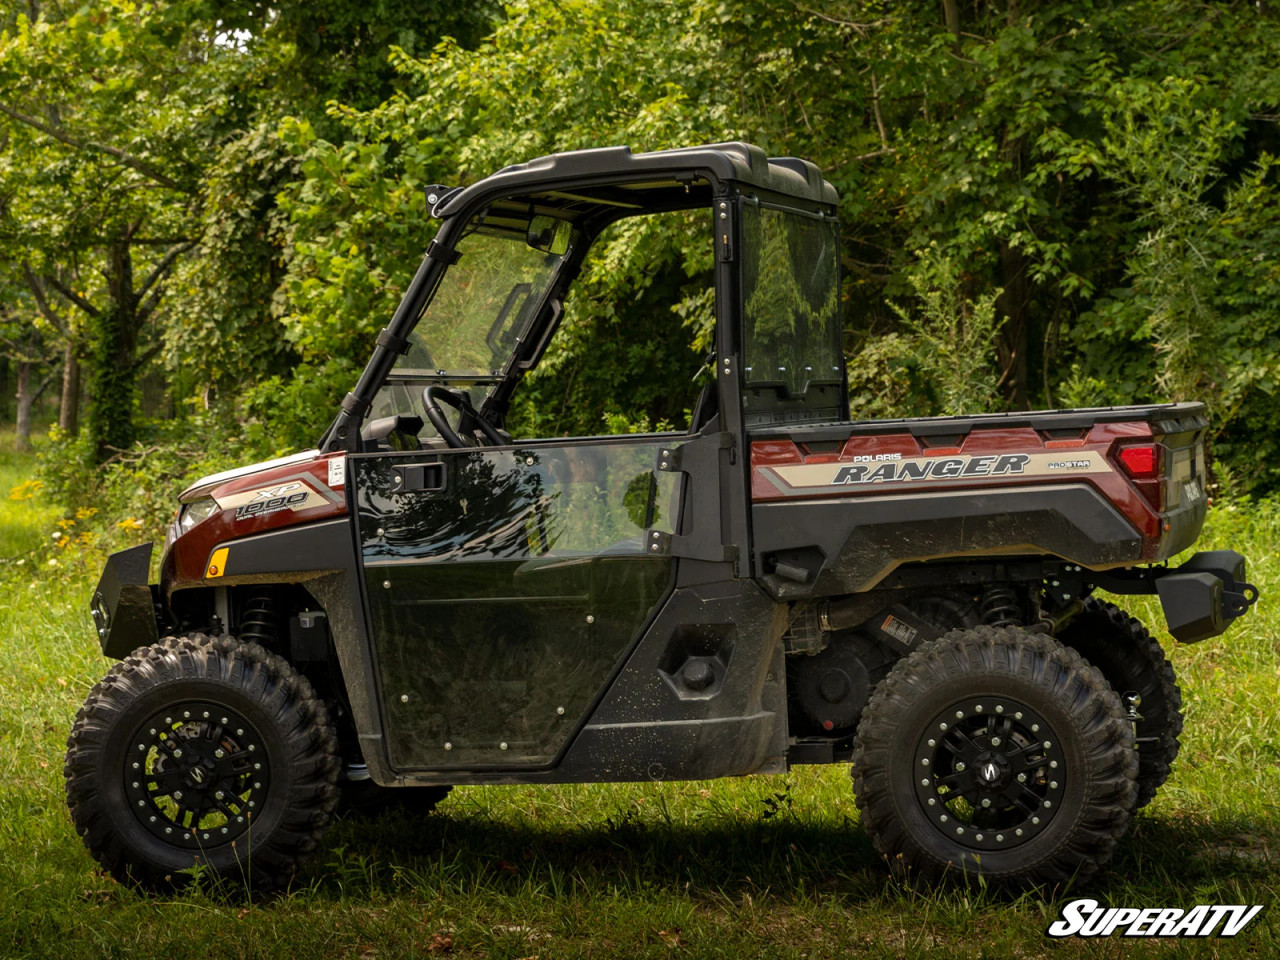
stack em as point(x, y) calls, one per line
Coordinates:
point(1144, 463)
point(1141, 462)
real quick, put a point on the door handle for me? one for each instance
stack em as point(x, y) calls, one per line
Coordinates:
point(417, 478)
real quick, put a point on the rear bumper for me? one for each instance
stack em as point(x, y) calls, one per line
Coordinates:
point(1200, 598)
point(124, 604)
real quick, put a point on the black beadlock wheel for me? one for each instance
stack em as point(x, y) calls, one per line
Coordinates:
point(201, 752)
point(1132, 660)
point(995, 752)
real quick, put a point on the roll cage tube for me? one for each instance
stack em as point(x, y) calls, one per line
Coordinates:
point(592, 188)
point(344, 433)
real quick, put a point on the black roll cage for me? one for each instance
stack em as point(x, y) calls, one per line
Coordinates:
point(592, 189)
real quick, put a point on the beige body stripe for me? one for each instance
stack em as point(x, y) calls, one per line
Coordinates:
point(838, 476)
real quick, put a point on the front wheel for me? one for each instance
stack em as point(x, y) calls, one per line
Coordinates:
point(995, 752)
point(201, 752)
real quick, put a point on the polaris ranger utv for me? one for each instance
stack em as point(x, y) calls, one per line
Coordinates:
point(425, 600)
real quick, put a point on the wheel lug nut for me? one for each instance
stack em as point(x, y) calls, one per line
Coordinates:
point(1022, 778)
point(960, 767)
point(1035, 819)
point(924, 762)
point(1047, 744)
point(1053, 784)
point(177, 794)
point(986, 802)
point(995, 741)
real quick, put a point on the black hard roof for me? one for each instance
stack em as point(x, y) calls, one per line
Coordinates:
point(738, 162)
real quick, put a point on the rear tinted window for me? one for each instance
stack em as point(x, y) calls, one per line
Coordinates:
point(791, 273)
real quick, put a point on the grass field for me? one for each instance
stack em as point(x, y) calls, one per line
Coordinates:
point(759, 867)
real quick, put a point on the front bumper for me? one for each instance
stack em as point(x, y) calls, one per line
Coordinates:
point(124, 604)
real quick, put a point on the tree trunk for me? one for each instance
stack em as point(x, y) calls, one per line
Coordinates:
point(22, 436)
point(69, 405)
point(951, 16)
point(1015, 341)
point(113, 362)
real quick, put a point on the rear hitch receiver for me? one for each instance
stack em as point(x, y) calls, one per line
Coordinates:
point(1200, 598)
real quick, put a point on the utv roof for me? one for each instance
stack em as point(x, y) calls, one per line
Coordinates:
point(740, 163)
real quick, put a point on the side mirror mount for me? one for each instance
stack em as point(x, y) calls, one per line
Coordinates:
point(437, 194)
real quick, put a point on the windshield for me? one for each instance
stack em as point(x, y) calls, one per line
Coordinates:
point(483, 304)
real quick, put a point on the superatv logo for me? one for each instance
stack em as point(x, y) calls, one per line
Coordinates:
point(1086, 918)
point(940, 468)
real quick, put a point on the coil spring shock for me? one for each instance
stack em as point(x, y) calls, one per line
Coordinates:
point(999, 607)
point(259, 620)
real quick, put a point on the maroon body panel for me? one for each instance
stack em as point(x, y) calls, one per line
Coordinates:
point(877, 463)
point(186, 562)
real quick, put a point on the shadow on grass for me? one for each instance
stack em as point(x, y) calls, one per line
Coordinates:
point(464, 849)
point(785, 858)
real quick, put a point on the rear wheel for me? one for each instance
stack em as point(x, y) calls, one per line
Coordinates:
point(1133, 661)
point(995, 752)
point(201, 752)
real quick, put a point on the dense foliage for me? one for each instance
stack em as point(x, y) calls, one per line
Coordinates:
point(1042, 204)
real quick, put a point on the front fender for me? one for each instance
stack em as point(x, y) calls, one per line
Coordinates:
point(124, 604)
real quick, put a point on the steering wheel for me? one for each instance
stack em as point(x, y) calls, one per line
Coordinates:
point(434, 395)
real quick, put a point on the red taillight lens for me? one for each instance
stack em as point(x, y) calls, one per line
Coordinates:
point(1142, 462)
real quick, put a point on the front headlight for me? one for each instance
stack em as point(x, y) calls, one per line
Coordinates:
point(188, 515)
point(195, 512)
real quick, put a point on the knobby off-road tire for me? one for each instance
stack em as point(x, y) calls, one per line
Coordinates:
point(367, 800)
point(1002, 715)
point(1131, 659)
point(202, 752)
